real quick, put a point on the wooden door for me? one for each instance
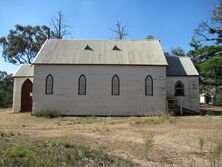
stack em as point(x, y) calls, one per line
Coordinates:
point(26, 99)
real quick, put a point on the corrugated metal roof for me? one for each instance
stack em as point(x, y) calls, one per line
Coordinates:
point(132, 52)
point(25, 70)
point(180, 66)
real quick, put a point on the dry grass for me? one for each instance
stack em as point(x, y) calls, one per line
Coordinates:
point(210, 107)
point(175, 138)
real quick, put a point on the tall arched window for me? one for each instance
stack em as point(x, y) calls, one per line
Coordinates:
point(115, 85)
point(179, 88)
point(82, 85)
point(49, 85)
point(149, 86)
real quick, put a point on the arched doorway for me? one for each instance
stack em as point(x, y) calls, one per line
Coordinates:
point(26, 99)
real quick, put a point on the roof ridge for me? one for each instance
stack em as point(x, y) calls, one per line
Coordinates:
point(104, 40)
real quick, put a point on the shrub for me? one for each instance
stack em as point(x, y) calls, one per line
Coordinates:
point(3, 134)
point(64, 143)
point(156, 120)
point(83, 150)
point(47, 114)
point(215, 156)
point(148, 142)
point(201, 143)
point(20, 151)
point(152, 121)
point(68, 145)
point(219, 99)
point(118, 163)
point(6, 89)
point(56, 154)
point(6, 134)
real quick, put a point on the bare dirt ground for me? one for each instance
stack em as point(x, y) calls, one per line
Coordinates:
point(175, 138)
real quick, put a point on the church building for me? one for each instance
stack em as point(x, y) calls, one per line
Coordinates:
point(106, 78)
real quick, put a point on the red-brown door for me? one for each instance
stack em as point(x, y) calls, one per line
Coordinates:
point(26, 100)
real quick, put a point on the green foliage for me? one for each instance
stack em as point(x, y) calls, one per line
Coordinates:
point(211, 70)
point(47, 114)
point(219, 99)
point(211, 74)
point(20, 151)
point(54, 153)
point(149, 37)
point(6, 89)
point(22, 44)
point(206, 52)
point(66, 144)
point(203, 53)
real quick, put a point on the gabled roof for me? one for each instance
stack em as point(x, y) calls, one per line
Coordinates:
point(25, 70)
point(180, 66)
point(132, 52)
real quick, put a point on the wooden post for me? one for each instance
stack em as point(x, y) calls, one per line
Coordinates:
point(167, 101)
point(181, 108)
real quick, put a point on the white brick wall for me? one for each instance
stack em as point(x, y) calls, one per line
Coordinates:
point(17, 92)
point(190, 100)
point(98, 99)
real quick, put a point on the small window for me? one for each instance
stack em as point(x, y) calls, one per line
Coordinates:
point(116, 48)
point(115, 85)
point(49, 85)
point(88, 48)
point(149, 86)
point(179, 88)
point(82, 85)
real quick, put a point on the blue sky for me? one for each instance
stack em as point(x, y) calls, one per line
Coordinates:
point(171, 21)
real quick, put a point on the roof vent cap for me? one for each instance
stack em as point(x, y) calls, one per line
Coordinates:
point(116, 48)
point(88, 48)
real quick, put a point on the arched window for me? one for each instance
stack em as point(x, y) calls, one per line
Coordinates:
point(49, 85)
point(115, 85)
point(82, 85)
point(179, 88)
point(149, 86)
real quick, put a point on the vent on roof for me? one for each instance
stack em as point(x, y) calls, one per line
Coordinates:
point(88, 48)
point(116, 48)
